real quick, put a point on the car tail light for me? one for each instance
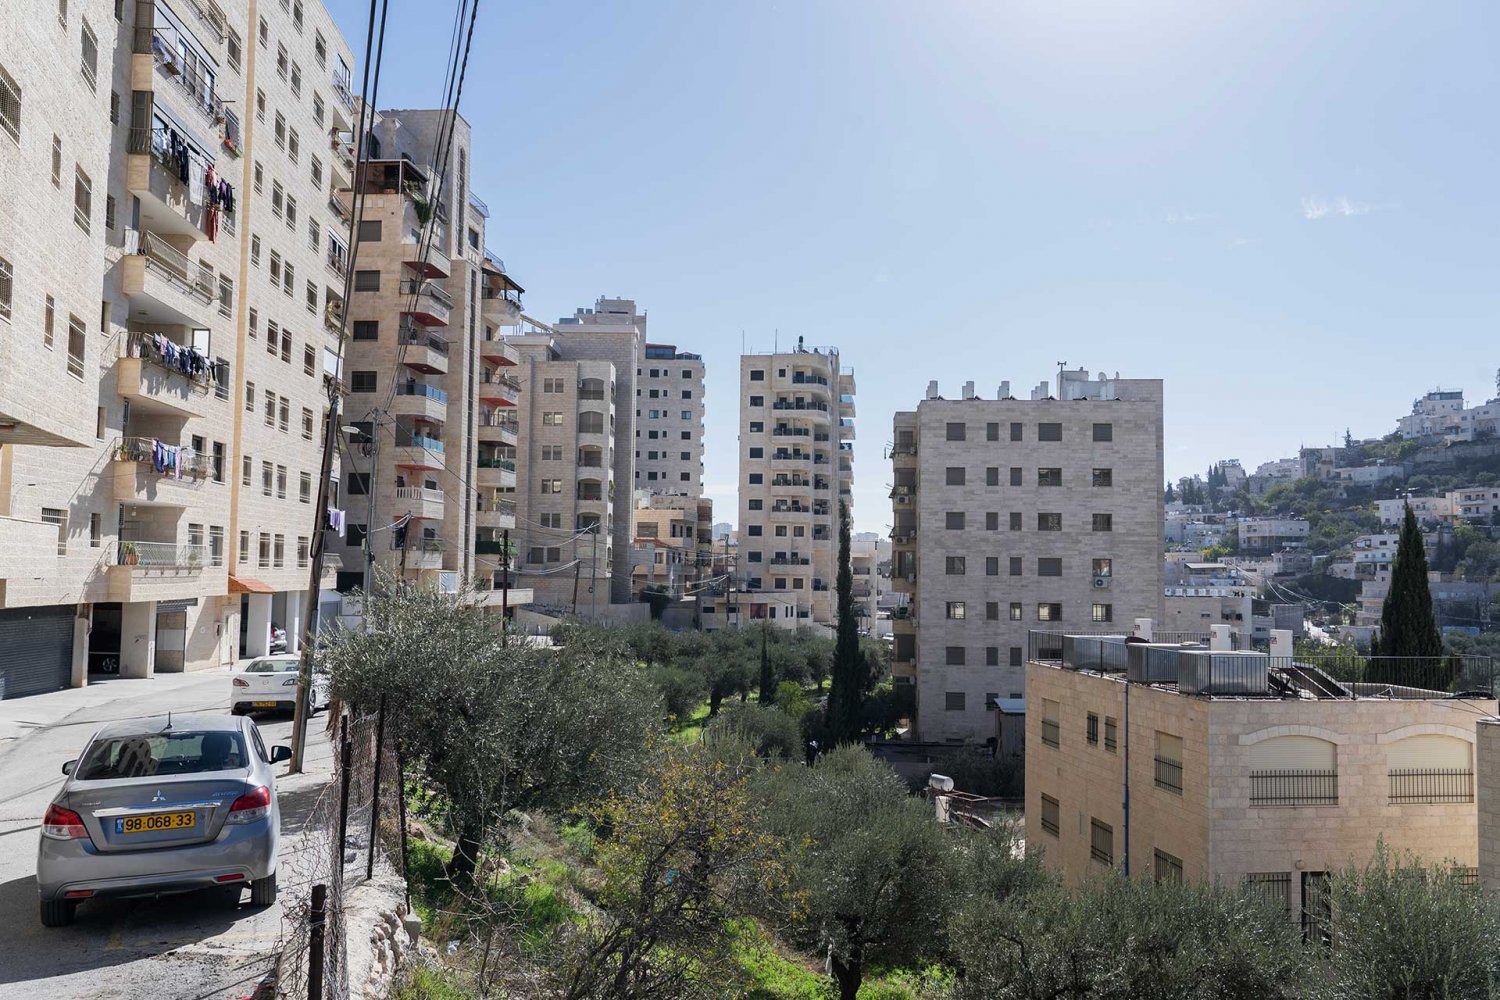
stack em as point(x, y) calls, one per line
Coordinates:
point(251, 806)
point(63, 824)
point(78, 894)
point(240, 682)
point(229, 878)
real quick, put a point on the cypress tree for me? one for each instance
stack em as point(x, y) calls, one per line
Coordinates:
point(1407, 626)
point(767, 675)
point(846, 692)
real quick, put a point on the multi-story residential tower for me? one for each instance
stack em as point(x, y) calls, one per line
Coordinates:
point(1009, 513)
point(669, 421)
point(673, 545)
point(796, 467)
point(292, 254)
point(130, 479)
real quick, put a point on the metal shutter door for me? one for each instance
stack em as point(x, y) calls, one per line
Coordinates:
point(1431, 751)
point(36, 650)
point(1292, 753)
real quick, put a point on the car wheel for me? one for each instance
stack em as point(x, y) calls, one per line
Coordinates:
point(59, 912)
point(263, 890)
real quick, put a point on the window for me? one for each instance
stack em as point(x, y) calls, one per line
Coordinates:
point(1165, 867)
point(320, 48)
point(1049, 611)
point(1015, 656)
point(1104, 432)
point(1169, 762)
point(49, 318)
point(955, 476)
point(1015, 565)
point(265, 32)
point(757, 401)
point(956, 611)
point(369, 231)
point(1016, 431)
point(309, 360)
point(992, 611)
point(992, 432)
point(1049, 477)
point(267, 479)
point(1101, 567)
point(1049, 567)
point(83, 198)
point(1104, 522)
point(275, 268)
point(1016, 612)
point(552, 418)
point(1103, 613)
point(367, 281)
point(250, 397)
point(1101, 842)
point(57, 159)
point(359, 484)
point(281, 60)
point(10, 105)
point(991, 659)
point(991, 565)
point(1015, 520)
point(302, 552)
point(77, 346)
point(315, 166)
point(953, 520)
point(1051, 724)
point(280, 482)
point(114, 107)
point(1049, 432)
point(293, 145)
point(1110, 729)
point(246, 470)
point(53, 515)
point(1015, 476)
point(283, 414)
point(232, 48)
point(366, 329)
point(956, 430)
point(362, 381)
point(992, 476)
point(1091, 729)
point(304, 487)
point(280, 559)
point(296, 82)
point(1051, 815)
point(1104, 477)
point(954, 656)
point(291, 217)
point(1274, 888)
point(312, 303)
point(757, 375)
point(90, 62)
point(953, 701)
point(954, 565)
point(1049, 522)
point(218, 461)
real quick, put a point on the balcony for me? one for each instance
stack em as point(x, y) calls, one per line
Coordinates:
point(418, 451)
point(148, 472)
point(500, 295)
point(425, 257)
point(489, 546)
point(161, 376)
point(803, 405)
point(790, 560)
point(495, 472)
point(425, 352)
point(789, 512)
point(424, 402)
point(150, 571)
point(151, 176)
point(1294, 788)
point(497, 430)
point(166, 288)
point(496, 351)
point(791, 458)
point(499, 390)
point(420, 502)
point(497, 514)
point(424, 553)
point(343, 94)
point(425, 303)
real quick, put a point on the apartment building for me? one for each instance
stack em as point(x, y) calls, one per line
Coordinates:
point(866, 554)
point(431, 470)
point(1271, 770)
point(669, 428)
point(292, 256)
point(1012, 512)
point(1271, 534)
point(673, 546)
point(796, 467)
point(134, 500)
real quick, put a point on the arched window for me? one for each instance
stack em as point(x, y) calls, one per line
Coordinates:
point(1293, 771)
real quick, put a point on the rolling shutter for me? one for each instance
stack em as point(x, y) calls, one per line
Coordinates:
point(1429, 752)
point(36, 650)
point(1293, 753)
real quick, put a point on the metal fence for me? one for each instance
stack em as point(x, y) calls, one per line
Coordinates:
point(342, 830)
point(1294, 788)
point(1169, 775)
point(1431, 785)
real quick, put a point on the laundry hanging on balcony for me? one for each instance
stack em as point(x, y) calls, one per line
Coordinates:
point(336, 521)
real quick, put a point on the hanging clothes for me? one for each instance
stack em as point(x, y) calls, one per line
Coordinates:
point(211, 222)
point(195, 181)
point(336, 521)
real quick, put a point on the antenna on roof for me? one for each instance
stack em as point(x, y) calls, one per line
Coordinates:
point(169, 720)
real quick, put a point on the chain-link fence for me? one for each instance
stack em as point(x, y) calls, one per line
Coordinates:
point(340, 829)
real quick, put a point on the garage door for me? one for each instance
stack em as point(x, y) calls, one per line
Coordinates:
point(36, 650)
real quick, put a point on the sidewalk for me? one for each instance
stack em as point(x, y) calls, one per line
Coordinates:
point(39, 711)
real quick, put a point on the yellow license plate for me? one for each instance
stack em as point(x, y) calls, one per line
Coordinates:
point(156, 822)
point(265, 704)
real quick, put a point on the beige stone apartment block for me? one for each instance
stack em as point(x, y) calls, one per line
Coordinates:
point(1259, 775)
point(128, 135)
point(673, 546)
point(1013, 514)
point(669, 427)
point(796, 446)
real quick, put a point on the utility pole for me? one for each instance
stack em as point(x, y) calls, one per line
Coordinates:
point(370, 502)
point(504, 583)
point(577, 568)
point(594, 583)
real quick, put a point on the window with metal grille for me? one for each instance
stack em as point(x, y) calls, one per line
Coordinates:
point(1051, 724)
point(1104, 432)
point(77, 347)
point(1110, 727)
point(280, 556)
point(367, 281)
point(1104, 477)
point(954, 565)
point(1104, 522)
point(53, 515)
point(1091, 729)
point(83, 198)
point(1434, 784)
point(57, 159)
point(955, 610)
point(1169, 762)
point(1051, 815)
point(90, 64)
point(1103, 613)
point(1049, 522)
point(366, 329)
point(1049, 477)
point(1166, 867)
point(1049, 611)
point(1101, 842)
point(5, 289)
point(10, 105)
point(953, 701)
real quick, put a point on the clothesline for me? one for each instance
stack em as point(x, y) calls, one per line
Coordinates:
point(186, 360)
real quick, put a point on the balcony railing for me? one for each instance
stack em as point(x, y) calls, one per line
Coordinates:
point(495, 506)
point(1411, 785)
point(1051, 733)
point(591, 394)
point(786, 404)
point(173, 265)
point(421, 286)
point(1294, 788)
point(164, 459)
point(407, 439)
point(418, 389)
point(178, 359)
point(1169, 774)
point(411, 335)
point(161, 555)
point(419, 494)
point(342, 90)
point(496, 463)
point(790, 561)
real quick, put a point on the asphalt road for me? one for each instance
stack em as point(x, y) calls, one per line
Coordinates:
point(188, 947)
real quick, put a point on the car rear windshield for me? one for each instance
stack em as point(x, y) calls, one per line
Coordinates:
point(269, 666)
point(156, 754)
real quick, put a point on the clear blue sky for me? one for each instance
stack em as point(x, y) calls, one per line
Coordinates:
point(1285, 209)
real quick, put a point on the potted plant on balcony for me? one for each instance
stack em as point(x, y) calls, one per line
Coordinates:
point(128, 554)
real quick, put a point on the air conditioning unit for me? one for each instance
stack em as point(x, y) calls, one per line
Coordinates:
point(1101, 583)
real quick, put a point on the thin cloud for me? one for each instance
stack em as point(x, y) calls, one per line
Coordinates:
point(1188, 218)
point(1315, 208)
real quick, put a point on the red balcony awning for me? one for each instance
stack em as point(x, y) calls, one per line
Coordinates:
point(248, 585)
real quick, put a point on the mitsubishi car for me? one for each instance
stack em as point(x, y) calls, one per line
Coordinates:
point(160, 806)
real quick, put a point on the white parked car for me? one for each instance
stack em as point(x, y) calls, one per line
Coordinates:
point(270, 683)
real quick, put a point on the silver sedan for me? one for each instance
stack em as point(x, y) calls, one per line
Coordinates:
point(160, 806)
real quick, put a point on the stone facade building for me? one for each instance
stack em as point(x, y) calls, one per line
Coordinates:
point(669, 421)
point(1012, 514)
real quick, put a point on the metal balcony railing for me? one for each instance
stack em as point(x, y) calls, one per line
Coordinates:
point(342, 90)
point(420, 286)
point(412, 335)
point(161, 555)
point(1294, 788)
point(164, 459)
point(188, 362)
point(1426, 785)
point(173, 265)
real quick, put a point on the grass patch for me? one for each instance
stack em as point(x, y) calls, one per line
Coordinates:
point(423, 982)
point(689, 729)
